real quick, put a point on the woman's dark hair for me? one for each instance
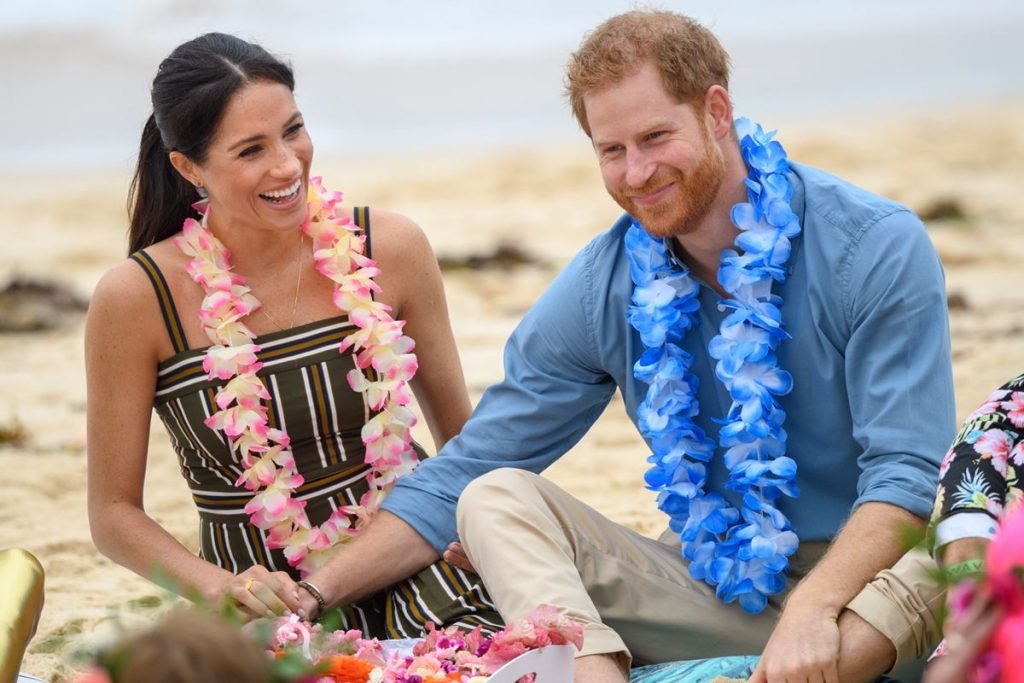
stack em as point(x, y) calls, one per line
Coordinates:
point(190, 92)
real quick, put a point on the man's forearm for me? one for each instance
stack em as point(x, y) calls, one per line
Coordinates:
point(873, 538)
point(809, 639)
point(383, 553)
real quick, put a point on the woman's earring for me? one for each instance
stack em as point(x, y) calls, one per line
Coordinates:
point(202, 191)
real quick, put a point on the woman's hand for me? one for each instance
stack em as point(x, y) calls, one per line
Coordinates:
point(261, 593)
point(966, 636)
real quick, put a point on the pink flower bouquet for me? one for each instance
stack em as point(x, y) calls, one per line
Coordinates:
point(300, 652)
point(444, 656)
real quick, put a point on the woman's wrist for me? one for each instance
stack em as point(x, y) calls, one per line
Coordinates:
point(208, 586)
point(311, 589)
point(963, 550)
point(967, 569)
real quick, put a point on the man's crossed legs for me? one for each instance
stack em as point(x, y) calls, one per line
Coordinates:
point(534, 543)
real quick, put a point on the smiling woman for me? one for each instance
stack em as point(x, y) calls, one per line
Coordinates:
point(276, 349)
point(256, 164)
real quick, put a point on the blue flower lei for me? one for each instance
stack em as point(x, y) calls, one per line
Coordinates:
point(742, 553)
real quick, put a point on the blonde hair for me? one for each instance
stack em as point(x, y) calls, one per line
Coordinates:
point(688, 56)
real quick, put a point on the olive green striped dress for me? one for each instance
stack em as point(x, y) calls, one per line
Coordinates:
point(312, 401)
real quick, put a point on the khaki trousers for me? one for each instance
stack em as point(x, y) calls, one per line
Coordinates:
point(533, 543)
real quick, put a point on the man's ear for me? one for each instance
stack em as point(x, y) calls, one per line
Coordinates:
point(718, 110)
point(188, 169)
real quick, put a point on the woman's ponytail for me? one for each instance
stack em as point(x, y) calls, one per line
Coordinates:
point(158, 198)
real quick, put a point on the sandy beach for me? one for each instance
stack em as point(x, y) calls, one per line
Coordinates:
point(959, 167)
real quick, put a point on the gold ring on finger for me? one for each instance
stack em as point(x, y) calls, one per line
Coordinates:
point(248, 585)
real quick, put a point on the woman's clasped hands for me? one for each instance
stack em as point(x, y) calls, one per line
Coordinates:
point(260, 593)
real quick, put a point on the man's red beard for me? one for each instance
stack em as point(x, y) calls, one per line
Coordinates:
point(689, 202)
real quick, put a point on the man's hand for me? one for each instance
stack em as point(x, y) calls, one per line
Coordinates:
point(805, 644)
point(803, 647)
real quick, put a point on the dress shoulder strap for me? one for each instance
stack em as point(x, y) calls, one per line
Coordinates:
point(361, 216)
point(163, 294)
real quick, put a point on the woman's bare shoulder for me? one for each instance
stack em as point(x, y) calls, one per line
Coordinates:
point(124, 289)
point(401, 250)
point(396, 238)
point(126, 303)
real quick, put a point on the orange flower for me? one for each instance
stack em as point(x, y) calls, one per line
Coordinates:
point(348, 669)
point(453, 677)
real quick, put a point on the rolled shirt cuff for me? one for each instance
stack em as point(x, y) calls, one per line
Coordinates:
point(964, 524)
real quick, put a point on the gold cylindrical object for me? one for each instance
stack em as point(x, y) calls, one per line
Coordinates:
point(21, 602)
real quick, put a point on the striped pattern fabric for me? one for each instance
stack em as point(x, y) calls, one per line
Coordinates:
point(311, 400)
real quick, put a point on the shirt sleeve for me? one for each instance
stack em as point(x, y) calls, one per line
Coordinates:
point(975, 475)
point(553, 391)
point(898, 363)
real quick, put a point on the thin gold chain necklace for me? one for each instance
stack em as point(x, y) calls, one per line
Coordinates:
point(295, 302)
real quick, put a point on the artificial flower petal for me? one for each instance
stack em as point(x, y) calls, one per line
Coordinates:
point(742, 553)
point(269, 469)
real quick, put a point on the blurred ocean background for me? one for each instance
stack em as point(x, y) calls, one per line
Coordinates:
point(463, 75)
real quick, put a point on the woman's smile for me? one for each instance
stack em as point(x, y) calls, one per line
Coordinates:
point(285, 198)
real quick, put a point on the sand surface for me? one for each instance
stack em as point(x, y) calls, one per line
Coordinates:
point(546, 202)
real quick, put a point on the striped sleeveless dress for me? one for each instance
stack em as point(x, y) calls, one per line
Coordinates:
point(312, 401)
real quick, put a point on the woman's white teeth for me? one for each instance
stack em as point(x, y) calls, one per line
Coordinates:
point(287, 192)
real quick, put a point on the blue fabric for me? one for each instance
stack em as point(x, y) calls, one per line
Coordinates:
point(697, 671)
point(871, 410)
point(703, 670)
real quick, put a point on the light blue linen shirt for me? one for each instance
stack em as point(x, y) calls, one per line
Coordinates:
point(871, 411)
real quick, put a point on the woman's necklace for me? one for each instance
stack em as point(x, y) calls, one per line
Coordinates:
point(384, 365)
point(298, 286)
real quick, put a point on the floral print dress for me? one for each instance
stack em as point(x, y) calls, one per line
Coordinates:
point(980, 476)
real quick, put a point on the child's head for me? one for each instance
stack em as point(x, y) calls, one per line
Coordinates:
point(189, 646)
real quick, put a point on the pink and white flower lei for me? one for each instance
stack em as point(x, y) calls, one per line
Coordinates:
point(378, 343)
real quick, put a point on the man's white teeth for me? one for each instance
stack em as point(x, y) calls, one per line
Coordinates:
point(287, 192)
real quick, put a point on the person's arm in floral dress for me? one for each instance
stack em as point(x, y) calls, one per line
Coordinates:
point(980, 475)
point(978, 479)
